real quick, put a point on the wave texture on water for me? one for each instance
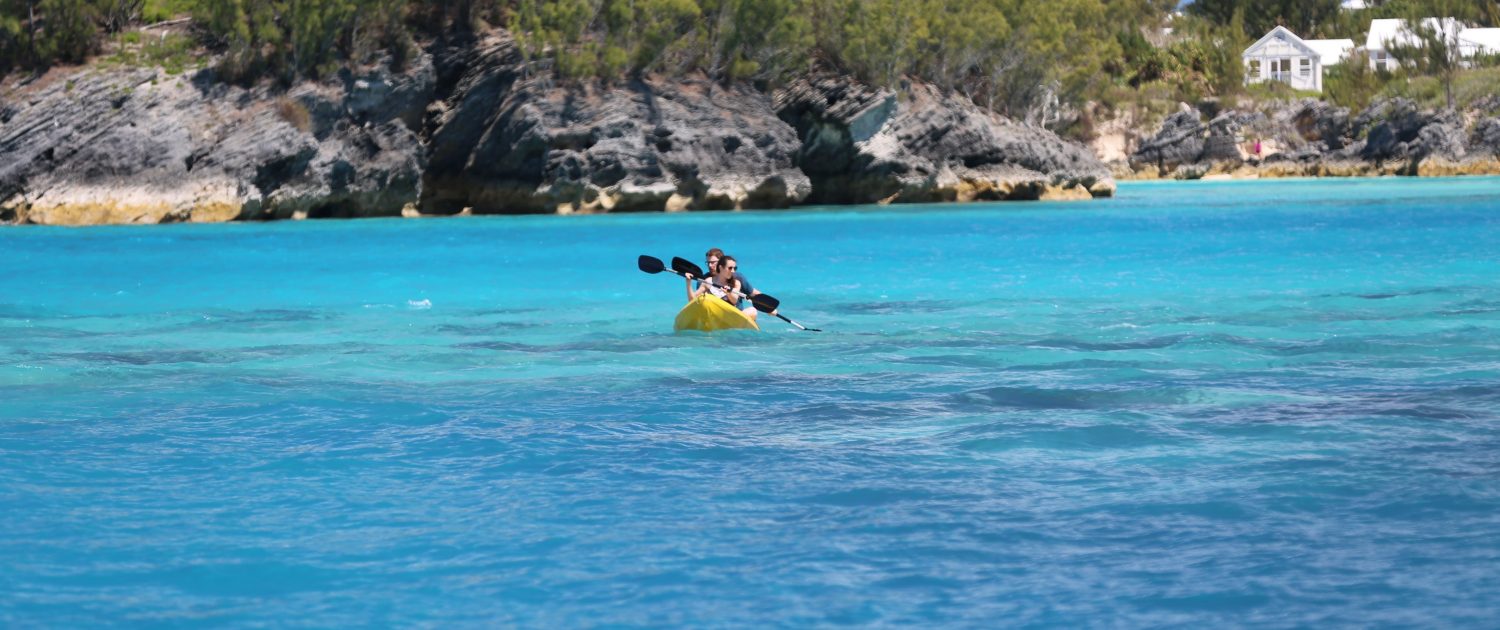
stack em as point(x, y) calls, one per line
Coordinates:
point(1250, 403)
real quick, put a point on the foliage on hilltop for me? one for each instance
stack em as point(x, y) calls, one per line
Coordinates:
point(1010, 54)
point(1020, 57)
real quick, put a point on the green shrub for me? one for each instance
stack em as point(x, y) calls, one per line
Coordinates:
point(1426, 91)
point(162, 10)
point(1276, 91)
point(1469, 86)
point(613, 62)
point(170, 51)
point(1353, 83)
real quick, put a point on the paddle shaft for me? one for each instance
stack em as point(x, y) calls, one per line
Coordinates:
point(789, 321)
point(772, 310)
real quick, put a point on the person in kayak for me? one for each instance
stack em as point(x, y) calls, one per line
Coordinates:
point(712, 257)
point(725, 286)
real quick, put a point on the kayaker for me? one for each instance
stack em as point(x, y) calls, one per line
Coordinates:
point(712, 257)
point(725, 286)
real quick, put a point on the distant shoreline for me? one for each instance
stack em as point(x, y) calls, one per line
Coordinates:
point(1313, 170)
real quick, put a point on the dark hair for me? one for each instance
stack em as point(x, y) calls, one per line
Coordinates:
point(724, 260)
point(713, 252)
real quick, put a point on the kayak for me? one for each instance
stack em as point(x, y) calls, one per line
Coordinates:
point(708, 313)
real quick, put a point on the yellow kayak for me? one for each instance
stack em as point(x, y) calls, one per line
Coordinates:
point(708, 313)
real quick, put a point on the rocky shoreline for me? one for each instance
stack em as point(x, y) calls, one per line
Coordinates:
point(464, 129)
point(1310, 138)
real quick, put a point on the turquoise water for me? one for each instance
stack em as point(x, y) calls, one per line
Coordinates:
point(1274, 403)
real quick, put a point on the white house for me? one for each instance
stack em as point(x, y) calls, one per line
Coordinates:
point(1354, 5)
point(1282, 56)
point(1333, 51)
point(1479, 41)
point(1389, 33)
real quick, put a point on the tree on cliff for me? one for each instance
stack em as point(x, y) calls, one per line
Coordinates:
point(1303, 17)
point(15, 39)
point(38, 33)
point(1022, 57)
point(291, 38)
point(1434, 48)
point(756, 39)
point(115, 15)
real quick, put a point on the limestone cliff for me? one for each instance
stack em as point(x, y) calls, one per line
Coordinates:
point(139, 146)
point(465, 127)
point(504, 143)
point(1311, 138)
point(864, 145)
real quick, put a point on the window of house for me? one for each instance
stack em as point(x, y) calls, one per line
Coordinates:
point(1255, 68)
point(1304, 67)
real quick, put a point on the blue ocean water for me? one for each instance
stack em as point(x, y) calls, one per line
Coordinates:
point(1274, 403)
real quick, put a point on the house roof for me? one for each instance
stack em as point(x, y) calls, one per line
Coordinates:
point(1385, 32)
point(1280, 35)
point(1332, 51)
point(1484, 40)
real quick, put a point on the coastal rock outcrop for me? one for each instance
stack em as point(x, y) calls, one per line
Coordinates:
point(1312, 138)
point(1486, 138)
point(862, 144)
point(1320, 123)
point(466, 126)
point(1187, 146)
point(504, 143)
point(1397, 130)
point(1178, 142)
point(1222, 144)
point(141, 146)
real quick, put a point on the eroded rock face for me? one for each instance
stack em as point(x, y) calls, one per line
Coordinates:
point(1396, 130)
point(1311, 138)
point(1388, 127)
point(1322, 124)
point(1442, 137)
point(1224, 136)
point(1486, 138)
point(864, 145)
point(1186, 144)
point(1180, 141)
point(505, 144)
point(140, 146)
point(465, 127)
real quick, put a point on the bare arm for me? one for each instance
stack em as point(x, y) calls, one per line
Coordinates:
point(693, 294)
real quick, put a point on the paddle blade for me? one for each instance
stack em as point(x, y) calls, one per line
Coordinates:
point(682, 266)
point(649, 264)
point(765, 303)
